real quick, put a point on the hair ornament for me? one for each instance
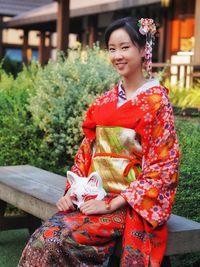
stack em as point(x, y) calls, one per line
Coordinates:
point(147, 27)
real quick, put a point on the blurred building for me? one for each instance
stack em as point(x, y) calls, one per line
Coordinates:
point(34, 28)
point(11, 40)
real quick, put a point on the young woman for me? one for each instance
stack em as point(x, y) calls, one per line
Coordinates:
point(131, 142)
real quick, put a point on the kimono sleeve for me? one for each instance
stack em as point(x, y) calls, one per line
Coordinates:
point(152, 194)
point(82, 160)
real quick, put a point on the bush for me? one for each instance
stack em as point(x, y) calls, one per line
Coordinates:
point(188, 195)
point(12, 67)
point(42, 109)
point(185, 97)
point(64, 90)
point(19, 138)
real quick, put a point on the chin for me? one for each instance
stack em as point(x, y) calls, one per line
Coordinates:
point(122, 72)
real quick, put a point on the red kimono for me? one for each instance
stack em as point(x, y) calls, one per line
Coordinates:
point(150, 196)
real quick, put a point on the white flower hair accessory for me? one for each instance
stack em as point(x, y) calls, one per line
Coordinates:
point(147, 27)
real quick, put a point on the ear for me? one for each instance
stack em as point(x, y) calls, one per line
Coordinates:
point(95, 179)
point(71, 177)
point(142, 52)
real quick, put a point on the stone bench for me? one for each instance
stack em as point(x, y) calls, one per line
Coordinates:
point(36, 191)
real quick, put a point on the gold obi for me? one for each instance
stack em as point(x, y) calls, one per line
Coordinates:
point(117, 157)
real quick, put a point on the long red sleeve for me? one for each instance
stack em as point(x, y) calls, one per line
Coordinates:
point(152, 194)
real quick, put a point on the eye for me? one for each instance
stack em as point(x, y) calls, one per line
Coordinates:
point(111, 49)
point(125, 47)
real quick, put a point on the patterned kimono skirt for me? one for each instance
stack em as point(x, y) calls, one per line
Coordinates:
point(74, 240)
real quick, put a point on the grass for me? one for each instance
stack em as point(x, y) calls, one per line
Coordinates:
point(12, 243)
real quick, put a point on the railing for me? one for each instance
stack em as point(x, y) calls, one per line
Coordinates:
point(184, 74)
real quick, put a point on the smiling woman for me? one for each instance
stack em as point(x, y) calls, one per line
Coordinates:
point(126, 57)
point(130, 142)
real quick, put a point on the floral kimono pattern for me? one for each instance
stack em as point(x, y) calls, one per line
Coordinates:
point(73, 239)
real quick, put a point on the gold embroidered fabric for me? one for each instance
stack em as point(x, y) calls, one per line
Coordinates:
point(117, 157)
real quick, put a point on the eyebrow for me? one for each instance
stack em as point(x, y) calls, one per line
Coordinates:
point(122, 43)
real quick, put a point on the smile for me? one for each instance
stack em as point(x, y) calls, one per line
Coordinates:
point(120, 65)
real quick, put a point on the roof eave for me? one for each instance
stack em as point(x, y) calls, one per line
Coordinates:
point(24, 21)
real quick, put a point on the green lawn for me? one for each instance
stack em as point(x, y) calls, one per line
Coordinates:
point(12, 243)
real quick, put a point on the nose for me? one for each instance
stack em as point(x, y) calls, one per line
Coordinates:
point(118, 55)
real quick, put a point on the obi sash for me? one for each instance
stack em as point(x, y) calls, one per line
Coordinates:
point(117, 157)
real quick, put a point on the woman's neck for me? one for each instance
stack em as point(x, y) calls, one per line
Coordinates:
point(133, 83)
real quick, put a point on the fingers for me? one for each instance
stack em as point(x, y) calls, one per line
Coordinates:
point(93, 207)
point(86, 208)
point(65, 203)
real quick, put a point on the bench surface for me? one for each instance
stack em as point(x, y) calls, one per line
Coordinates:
point(36, 191)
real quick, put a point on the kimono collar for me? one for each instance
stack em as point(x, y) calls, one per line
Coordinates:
point(122, 94)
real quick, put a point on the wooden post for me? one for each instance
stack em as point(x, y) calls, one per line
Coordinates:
point(92, 28)
point(25, 47)
point(1, 39)
point(84, 36)
point(63, 25)
point(196, 58)
point(42, 48)
point(161, 46)
point(49, 46)
point(168, 32)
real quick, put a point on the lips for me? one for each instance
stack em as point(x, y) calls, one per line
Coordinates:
point(120, 65)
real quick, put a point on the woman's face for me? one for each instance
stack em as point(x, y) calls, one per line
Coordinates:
point(124, 55)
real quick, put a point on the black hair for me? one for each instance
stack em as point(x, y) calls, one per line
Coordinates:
point(130, 25)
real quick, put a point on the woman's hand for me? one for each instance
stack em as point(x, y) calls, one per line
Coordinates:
point(94, 206)
point(65, 203)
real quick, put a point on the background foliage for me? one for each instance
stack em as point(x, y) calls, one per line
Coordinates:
point(188, 194)
point(42, 109)
point(64, 90)
point(18, 136)
point(185, 97)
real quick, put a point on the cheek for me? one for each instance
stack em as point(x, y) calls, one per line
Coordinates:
point(111, 58)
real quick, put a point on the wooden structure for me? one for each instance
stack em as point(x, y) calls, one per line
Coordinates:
point(36, 191)
point(177, 22)
point(85, 19)
point(10, 8)
point(13, 7)
point(178, 74)
point(63, 25)
point(197, 33)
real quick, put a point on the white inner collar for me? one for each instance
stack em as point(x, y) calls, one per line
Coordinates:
point(144, 87)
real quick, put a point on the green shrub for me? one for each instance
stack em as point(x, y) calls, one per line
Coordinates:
point(12, 67)
point(18, 136)
point(64, 90)
point(185, 97)
point(188, 195)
